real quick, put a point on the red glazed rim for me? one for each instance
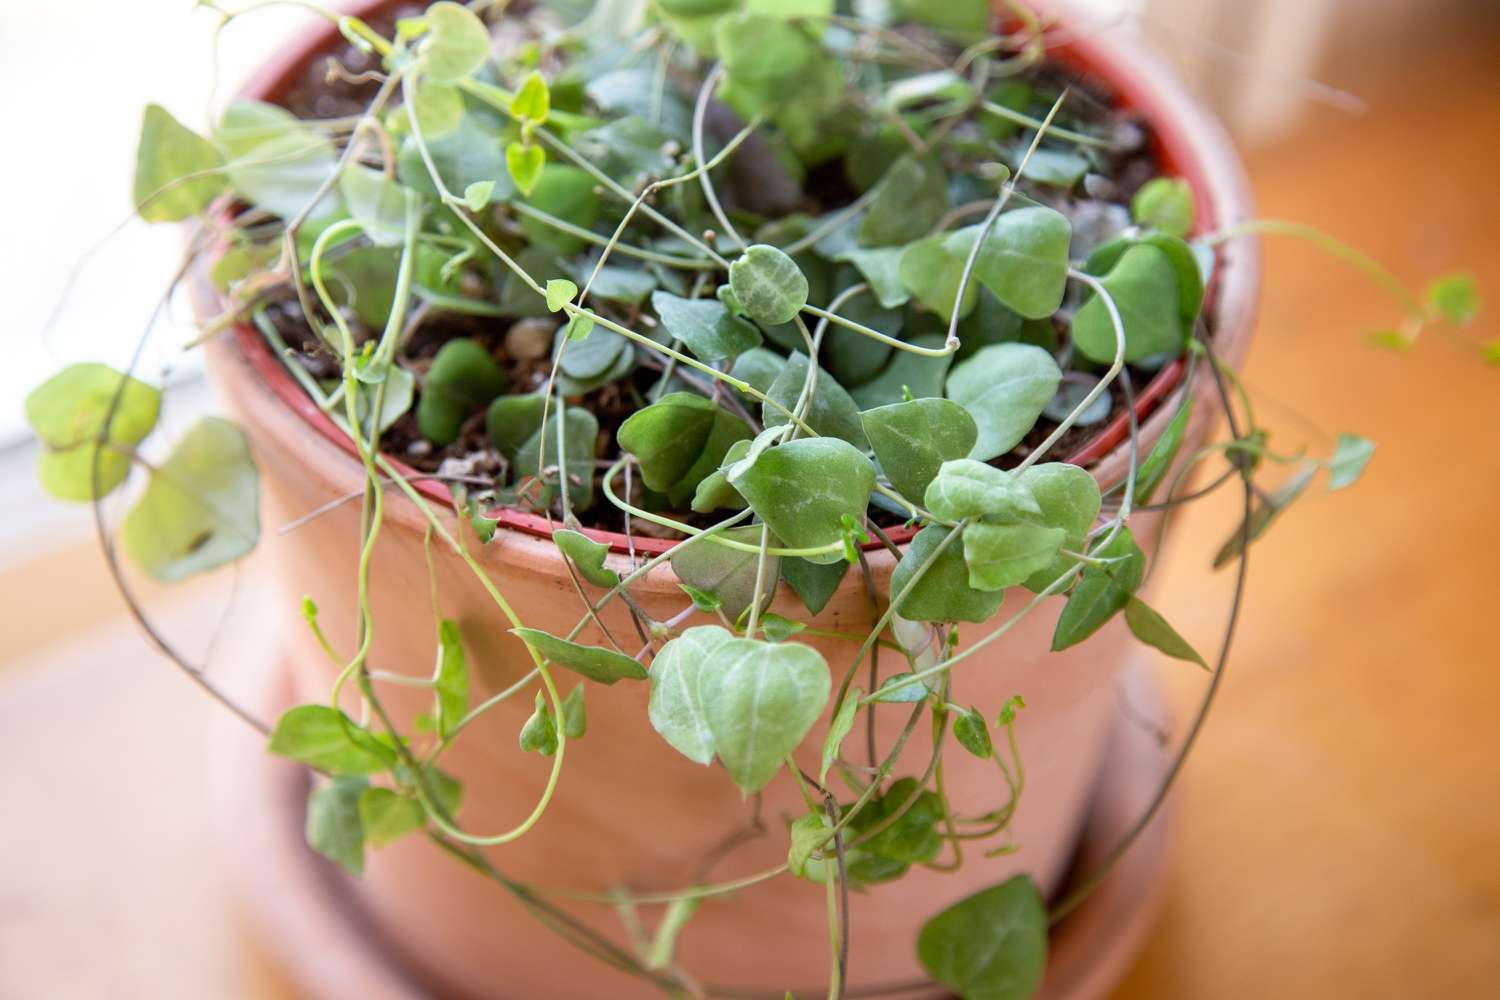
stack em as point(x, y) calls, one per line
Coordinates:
point(1174, 150)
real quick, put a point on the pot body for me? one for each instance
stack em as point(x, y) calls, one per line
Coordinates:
point(629, 810)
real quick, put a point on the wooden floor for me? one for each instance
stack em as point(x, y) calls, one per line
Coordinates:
point(1338, 827)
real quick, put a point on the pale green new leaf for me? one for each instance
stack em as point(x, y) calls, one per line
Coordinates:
point(450, 682)
point(1164, 203)
point(966, 488)
point(68, 412)
point(457, 42)
point(386, 816)
point(1004, 555)
point(377, 203)
point(325, 738)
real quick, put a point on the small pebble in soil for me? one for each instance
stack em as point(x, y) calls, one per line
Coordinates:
point(530, 339)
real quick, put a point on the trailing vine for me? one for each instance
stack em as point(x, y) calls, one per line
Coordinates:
point(781, 280)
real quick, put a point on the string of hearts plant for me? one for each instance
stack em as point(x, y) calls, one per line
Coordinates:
point(591, 262)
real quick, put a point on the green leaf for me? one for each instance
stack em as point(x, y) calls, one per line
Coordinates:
point(575, 720)
point(1024, 260)
point(831, 413)
point(778, 629)
point(959, 17)
point(900, 689)
point(168, 155)
point(809, 832)
point(277, 162)
point(815, 583)
point(597, 664)
point(909, 201)
point(539, 453)
point(973, 733)
point(907, 375)
point(201, 509)
point(539, 734)
point(462, 379)
point(990, 946)
point(1069, 499)
point(1102, 592)
point(438, 107)
point(943, 593)
point(1004, 387)
point(478, 194)
point(514, 420)
point(1144, 286)
point(676, 708)
point(715, 493)
point(838, 729)
point(333, 822)
point(560, 291)
point(727, 573)
point(679, 441)
point(533, 100)
point(1051, 166)
point(587, 555)
point(1005, 555)
point(325, 738)
point(385, 816)
point(705, 326)
point(1455, 298)
point(804, 489)
point(68, 413)
point(457, 42)
point(664, 941)
point(760, 699)
point(472, 153)
point(1155, 466)
point(764, 56)
point(769, 285)
point(810, 9)
point(932, 270)
point(377, 203)
point(450, 683)
point(1164, 203)
point(1147, 625)
point(881, 267)
point(702, 600)
point(966, 488)
point(1350, 456)
point(396, 392)
point(524, 164)
point(909, 815)
point(1265, 512)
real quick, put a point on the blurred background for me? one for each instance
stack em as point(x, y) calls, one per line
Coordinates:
point(1335, 831)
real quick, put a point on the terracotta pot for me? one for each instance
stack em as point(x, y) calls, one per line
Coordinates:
point(630, 811)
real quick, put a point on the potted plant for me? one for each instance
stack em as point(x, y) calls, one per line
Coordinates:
point(722, 442)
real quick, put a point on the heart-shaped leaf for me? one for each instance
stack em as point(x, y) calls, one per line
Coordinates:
point(524, 164)
point(597, 664)
point(533, 100)
point(942, 594)
point(201, 509)
point(913, 439)
point(1024, 259)
point(705, 326)
point(832, 412)
point(1144, 287)
point(457, 42)
point(1165, 203)
point(676, 708)
point(333, 827)
point(560, 291)
point(68, 413)
point(881, 267)
point(990, 946)
point(462, 379)
point(1004, 555)
point(728, 573)
point(376, 202)
point(932, 270)
point(538, 457)
point(760, 699)
point(327, 739)
point(1069, 499)
point(815, 583)
point(966, 488)
point(909, 200)
point(769, 285)
point(1005, 388)
point(679, 441)
point(804, 490)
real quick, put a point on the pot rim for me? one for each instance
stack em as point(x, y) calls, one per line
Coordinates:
point(1188, 142)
